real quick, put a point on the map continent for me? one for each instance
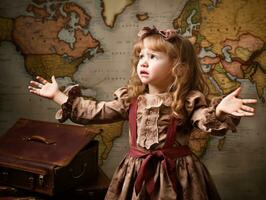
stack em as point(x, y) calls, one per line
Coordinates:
point(230, 47)
point(235, 38)
point(57, 50)
point(112, 8)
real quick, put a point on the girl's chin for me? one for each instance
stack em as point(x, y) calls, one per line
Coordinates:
point(144, 81)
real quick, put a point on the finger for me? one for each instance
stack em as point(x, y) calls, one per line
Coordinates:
point(33, 90)
point(237, 114)
point(243, 113)
point(36, 84)
point(247, 108)
point(248, 101)
point(248, 114)
point(53, 79)
point(41, 79)
point(236, 92)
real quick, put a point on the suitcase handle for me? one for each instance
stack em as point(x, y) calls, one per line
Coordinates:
point(38, 138)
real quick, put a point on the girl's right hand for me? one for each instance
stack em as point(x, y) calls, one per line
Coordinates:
point(44, 88)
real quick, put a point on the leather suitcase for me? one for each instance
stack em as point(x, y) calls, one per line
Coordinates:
point(46, 157)
point(91, 190)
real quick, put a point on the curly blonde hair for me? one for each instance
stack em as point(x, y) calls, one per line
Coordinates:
point(186, 70)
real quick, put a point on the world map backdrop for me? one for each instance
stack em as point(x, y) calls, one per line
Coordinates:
point(89, 43)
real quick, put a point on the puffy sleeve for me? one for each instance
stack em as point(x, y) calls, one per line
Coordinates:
point(202, 114)
point(85, 111)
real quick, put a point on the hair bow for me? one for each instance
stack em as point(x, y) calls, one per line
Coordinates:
point(167, 34)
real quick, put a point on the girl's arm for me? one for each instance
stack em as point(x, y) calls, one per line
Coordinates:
point(81, 110)
point(48, 90)
point(220, 115)
point(233, 105)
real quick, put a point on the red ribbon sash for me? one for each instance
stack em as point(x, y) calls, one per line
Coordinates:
point(147, 169)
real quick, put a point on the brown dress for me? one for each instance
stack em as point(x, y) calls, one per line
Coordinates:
point(159, 164)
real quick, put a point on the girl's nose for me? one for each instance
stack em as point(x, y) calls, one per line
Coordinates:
point(144, 64)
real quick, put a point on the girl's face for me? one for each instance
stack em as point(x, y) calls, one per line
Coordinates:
point(154, 69)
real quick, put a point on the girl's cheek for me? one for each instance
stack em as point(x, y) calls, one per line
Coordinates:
point(138, 68)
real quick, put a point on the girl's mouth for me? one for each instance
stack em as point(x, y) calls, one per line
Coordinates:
point(142, 72)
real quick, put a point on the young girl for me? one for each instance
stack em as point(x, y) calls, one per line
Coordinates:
point(164, 100)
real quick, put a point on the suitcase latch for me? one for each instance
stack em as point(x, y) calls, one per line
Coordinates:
point(41, 177)
point(5, 176)
point(31, 181)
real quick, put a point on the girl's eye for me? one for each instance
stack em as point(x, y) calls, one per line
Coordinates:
point(140, 56)
point(153, 56)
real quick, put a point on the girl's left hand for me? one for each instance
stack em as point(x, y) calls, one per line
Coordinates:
point(236, 106)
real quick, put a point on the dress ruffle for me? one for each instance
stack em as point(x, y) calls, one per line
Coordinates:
point(72, 92)
point(149, 111)
point(203, 115)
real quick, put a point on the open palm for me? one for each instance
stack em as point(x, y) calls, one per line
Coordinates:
point(43, 87)
point(234, 105)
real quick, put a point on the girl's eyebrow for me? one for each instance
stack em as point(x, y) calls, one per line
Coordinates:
point(151, 52)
